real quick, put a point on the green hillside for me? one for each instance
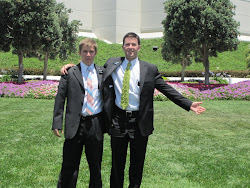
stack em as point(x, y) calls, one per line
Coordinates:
point(233, 60)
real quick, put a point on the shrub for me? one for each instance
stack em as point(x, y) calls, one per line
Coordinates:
point(165, 78)
point(5, 78)
point(29, 71)
point(219, 78)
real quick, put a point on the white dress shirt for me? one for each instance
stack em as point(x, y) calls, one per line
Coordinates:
point(134, 86)
point(96, 92)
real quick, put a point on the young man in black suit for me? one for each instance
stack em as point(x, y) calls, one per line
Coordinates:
point(133, 123)
point(84, 122)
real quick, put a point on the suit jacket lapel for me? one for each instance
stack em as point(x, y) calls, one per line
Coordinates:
point(111, 69)
point(78, 74)
point(143, 73)
point(99, 73)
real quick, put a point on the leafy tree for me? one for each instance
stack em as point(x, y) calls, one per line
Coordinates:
point(36, 28)
point(69, 31)
point(29, 18)
point(61, 40)
point(199, 26)
point(180, 58)
point(6, 24)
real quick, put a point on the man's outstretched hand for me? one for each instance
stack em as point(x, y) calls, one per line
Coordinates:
point(65, 68)
point(195, 107)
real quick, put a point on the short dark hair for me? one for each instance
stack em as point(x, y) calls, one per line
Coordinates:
point(88, 42)
point(131, 34)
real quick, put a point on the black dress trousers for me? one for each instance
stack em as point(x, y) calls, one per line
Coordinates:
point(125, 130)
point(90, 135)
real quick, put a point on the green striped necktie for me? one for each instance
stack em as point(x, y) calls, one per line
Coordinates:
point(125, 87)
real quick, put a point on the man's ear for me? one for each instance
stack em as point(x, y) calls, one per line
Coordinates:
point(139, 48)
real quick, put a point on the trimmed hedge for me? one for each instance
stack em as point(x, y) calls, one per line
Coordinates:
point(30, 71)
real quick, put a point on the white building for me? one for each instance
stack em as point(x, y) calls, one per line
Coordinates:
point(110, 20)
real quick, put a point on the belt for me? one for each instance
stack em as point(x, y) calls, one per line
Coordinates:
point(90, 117)
point(126, 112)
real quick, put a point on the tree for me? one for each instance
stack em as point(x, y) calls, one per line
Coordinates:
point(69, 31)
point(184, 61)
point(61, 40)
point(180, 58)
point(200, 26)
point(6, 21)
point(50, 39)
point(27, 22)
point(33, 28)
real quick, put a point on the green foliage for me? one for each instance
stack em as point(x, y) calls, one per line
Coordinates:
point(165, 78)
point(160, 97)
point(37, 29)
point(6, 24)
point(190, 24)
point(219, 78)
point(5, 78)
point(69, 32)
point(9, 75)
point(200, 26)
point(247, 98)
point(248, 57)
point(234, 62)
point(189, 82)
point(29, 23)
point(31, 19)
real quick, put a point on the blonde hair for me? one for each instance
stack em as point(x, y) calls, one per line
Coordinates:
point(88, 42)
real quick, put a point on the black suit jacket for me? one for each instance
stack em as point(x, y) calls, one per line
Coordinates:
point(150, 78)
point(71, 88)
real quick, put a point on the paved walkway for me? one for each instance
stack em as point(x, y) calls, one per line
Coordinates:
point(230, 80)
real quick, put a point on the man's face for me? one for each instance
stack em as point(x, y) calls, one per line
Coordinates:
point(87, 54)
point(131, 48)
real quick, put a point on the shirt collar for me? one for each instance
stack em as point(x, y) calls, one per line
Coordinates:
point(84, 67)
point(132, 62)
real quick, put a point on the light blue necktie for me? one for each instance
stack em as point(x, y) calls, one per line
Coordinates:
point(90, 98)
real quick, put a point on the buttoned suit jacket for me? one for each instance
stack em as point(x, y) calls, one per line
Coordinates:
point(71, 89)
point(150, 78)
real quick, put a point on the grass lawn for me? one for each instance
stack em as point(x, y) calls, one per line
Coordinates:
point(186, 150)
point(229, 60)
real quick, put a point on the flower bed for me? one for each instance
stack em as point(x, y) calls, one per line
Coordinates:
point(200, 86)
point(238, 91)
point(48, 90)
point(203, 87)
point(31, 89)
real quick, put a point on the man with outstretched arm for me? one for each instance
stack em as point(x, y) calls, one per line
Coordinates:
point(129, 112)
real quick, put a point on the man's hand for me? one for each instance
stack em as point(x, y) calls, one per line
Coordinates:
point(56, 132)
point(65, 68)
point(197, 108)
